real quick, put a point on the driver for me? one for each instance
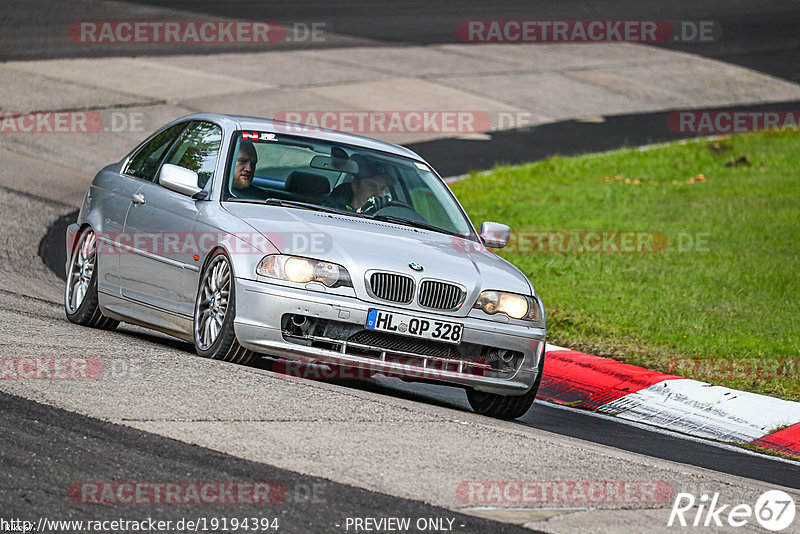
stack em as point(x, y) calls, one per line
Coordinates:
point(365, 194)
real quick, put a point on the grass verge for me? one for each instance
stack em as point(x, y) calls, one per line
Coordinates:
point(684, 258)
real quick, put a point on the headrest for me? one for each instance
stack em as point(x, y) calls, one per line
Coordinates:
point(308, 184)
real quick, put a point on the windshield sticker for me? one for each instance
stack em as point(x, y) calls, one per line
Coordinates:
point(259, 136)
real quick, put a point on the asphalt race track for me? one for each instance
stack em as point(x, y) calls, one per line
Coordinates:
point(763, 38)
point(345, 448)
point(68, 447)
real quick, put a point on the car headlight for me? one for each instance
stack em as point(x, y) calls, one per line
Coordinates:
point(511, 304)
point(303, 270)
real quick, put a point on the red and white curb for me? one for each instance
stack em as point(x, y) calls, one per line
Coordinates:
point(668, 401)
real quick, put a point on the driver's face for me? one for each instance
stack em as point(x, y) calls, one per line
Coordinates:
point(367, 188)
point(245, 167)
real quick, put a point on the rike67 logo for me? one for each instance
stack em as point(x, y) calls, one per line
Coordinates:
point(774, 510)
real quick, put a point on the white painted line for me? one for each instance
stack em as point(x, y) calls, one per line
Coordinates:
point(672, 433)
point(707, 411)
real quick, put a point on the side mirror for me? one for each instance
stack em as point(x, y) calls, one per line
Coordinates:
point(494, 235)
point(179, 179)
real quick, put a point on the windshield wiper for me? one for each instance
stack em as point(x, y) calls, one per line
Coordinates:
point(410, 222)
point(301, 205)
point(247, 200)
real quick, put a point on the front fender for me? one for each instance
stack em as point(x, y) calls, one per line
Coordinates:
point(71, 238)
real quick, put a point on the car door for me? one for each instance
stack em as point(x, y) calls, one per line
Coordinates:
point(112, 194)
point(161, 221)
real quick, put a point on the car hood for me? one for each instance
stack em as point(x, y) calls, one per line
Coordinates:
point(362, 245)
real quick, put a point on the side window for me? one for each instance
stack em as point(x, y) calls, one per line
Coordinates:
point(147, 159)
point(277, 169)
point(197, 150)
point(426, 201)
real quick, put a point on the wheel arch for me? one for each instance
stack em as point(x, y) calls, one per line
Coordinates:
point(211, 253)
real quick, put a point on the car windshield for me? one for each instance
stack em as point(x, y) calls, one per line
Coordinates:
point(314, 174)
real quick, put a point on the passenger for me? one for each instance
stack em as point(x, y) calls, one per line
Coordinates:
point(243, 171)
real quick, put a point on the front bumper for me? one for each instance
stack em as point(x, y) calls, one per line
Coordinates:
point(261, 309)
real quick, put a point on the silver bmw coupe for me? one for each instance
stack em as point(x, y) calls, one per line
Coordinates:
point(251, 237)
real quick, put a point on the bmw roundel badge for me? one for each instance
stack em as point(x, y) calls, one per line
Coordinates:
point(416, 266)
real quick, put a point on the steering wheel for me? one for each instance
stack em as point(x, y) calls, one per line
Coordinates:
point(382, 202)
point(395, 204)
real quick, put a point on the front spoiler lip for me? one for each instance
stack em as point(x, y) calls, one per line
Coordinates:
point(517, 386)
point(260, 306)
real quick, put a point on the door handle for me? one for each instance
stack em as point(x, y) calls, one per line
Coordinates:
point(138, 198)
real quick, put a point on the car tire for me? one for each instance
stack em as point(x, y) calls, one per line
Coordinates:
point(505, 406)
point(80, 294)
point(214, 312)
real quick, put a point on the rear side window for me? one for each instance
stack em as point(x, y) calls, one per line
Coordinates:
point(197, 149)
point(145, 163)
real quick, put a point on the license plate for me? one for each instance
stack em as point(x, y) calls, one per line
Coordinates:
point(408, 325)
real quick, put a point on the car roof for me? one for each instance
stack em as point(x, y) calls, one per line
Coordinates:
point(243, 122)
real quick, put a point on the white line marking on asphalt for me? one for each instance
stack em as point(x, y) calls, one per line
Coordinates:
point(704, 410)
point(671, 433)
